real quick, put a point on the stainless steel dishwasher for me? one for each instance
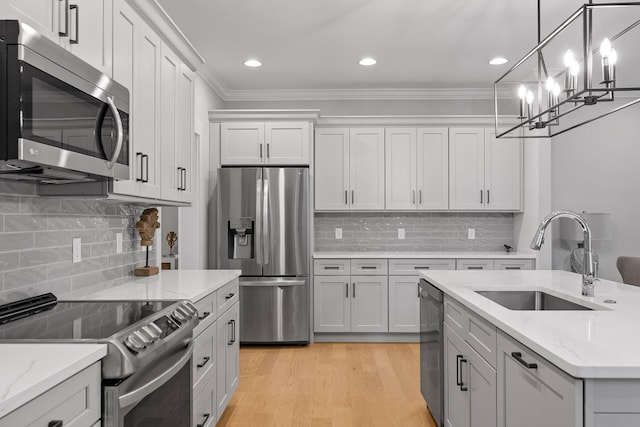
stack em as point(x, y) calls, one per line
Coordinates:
point(432, 349)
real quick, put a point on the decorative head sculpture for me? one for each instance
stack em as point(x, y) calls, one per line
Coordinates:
point(147, 226)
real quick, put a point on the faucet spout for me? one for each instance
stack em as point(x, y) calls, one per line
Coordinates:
point(588, 273)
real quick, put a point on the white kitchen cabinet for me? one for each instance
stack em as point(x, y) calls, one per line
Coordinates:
point(369, 304)
point(514, 264)
point(404, 304)
point(332, 169)
point(227, 356)
point(475, 264)
point(136, 65)
point(470, 385)
point(83, 27)
point(484, 173)
point(184, 144)
point(203, 361)
point(332, 304)
point(532, 392)
point(366, 168)
point(265, 143)
point(416, 167)
point(75, 402)
point(204, 406)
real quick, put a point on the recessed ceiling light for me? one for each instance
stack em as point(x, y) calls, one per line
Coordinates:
point(367, 62)
point(253, 63)
point(498, 60)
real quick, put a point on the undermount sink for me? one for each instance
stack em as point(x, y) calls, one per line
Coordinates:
point(531, 300)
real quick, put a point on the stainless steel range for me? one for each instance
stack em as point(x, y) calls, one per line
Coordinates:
point(146, 375)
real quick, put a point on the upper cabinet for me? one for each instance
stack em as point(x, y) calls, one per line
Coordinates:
point(265, 143)
point(349, 169)
point(83, 27)
point(416, 166)
point(485, 173)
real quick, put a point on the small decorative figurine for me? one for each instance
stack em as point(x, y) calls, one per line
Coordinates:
point(147, 229)
point(172, 238)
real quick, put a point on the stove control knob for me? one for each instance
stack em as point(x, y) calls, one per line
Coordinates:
point(189, 306)
point(187, 315)
point(156, 328)
point(133, 343)
point(151, 333)
point(178, 316)
point(143, 337)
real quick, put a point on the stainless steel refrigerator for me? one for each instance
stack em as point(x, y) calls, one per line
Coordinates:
point(263, 230)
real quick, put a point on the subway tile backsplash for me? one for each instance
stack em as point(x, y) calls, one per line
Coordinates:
point(35, 243)
point(424, 231)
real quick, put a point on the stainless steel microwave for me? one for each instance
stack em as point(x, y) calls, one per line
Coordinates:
point(61, 120)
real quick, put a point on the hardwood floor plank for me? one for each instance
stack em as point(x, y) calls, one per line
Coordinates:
point(329, 385)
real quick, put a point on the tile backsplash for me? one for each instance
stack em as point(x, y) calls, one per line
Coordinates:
point(424, 231)
point(36, 238)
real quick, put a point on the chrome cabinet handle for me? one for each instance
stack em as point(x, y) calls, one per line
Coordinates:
point(64, 33)
point(116, 114)
point(76, 39)
point(204, 315)
point(141, 167)
point(205, 360)
point(205, 418)
point(518, 357)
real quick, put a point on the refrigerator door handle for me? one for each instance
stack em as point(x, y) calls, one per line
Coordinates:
point(258, 241)
point(266, 238)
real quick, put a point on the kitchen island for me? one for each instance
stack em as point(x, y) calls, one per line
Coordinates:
point(548, 367)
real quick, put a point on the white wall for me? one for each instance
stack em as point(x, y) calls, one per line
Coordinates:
point(595, 169)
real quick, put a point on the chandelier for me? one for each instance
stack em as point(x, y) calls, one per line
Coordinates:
point(570, 77)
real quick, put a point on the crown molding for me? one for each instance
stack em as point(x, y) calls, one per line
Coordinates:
point(216, 85)
point(262, 115)
point(435, 120)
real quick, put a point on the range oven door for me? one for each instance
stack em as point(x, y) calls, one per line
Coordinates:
point(157, 396)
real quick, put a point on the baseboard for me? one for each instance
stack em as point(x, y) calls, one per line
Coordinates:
point(366, 337)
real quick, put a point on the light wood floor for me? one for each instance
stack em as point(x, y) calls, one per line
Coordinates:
point(329, 384)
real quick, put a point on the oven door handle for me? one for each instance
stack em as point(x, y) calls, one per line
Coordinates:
point(144, 390)
point(116, 116)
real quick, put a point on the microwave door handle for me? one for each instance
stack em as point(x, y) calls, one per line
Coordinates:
point(135, 396)
point(116, 114)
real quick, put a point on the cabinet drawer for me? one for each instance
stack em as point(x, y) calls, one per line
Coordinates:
point(514, 264)
point(377, 267)
point(75, 402)
point(474, 264)
point(204, 405)
point(408, 267)
point(480, 334)
point(207, 312)
point(226, 296)
point(332, 267)
point(204, 358)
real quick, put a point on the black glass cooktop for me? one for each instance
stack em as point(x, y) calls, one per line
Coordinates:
point(67, 320)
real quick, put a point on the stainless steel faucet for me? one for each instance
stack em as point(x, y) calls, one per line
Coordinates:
point(588, 272)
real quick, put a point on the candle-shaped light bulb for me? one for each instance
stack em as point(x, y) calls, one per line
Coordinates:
point(605, 47)
point(529, 97)
point(550, 84)
point(569, 59)
point(522, 92)
point(575, 69)
point(556, 90)
point(529, 100)
point(613, 57)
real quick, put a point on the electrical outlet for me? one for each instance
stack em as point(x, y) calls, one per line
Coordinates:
point(401, 233)
point(118, 243)
point(338, 233)
point(76, 249)
point(471, 233)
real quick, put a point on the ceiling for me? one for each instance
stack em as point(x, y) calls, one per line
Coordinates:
point(315, 45)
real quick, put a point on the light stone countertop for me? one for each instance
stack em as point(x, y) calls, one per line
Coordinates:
point(603, 343)
point(28, 370)
point(426, 255)
point(167, 285)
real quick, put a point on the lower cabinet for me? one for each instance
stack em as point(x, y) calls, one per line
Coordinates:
point(469, 384)
point(532, 392)
point(227, 356)
point(404, 304)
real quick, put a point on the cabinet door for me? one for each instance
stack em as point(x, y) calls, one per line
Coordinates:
point(404, 304)
point(331, 304)
point(227, 357)
point(242, 143)
point(503, 176)
point(366, 168)
point(369, 304)
point(47, 17)
point(233, 351)
point(466, 169)
point(456, 386)
point(535, 396)
point(432, 157)
point(332, 169)
point(287, 143)
point(184, 131)
point(400, 168)
point(90, 32)
point(170, 176)
point(482, 390)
